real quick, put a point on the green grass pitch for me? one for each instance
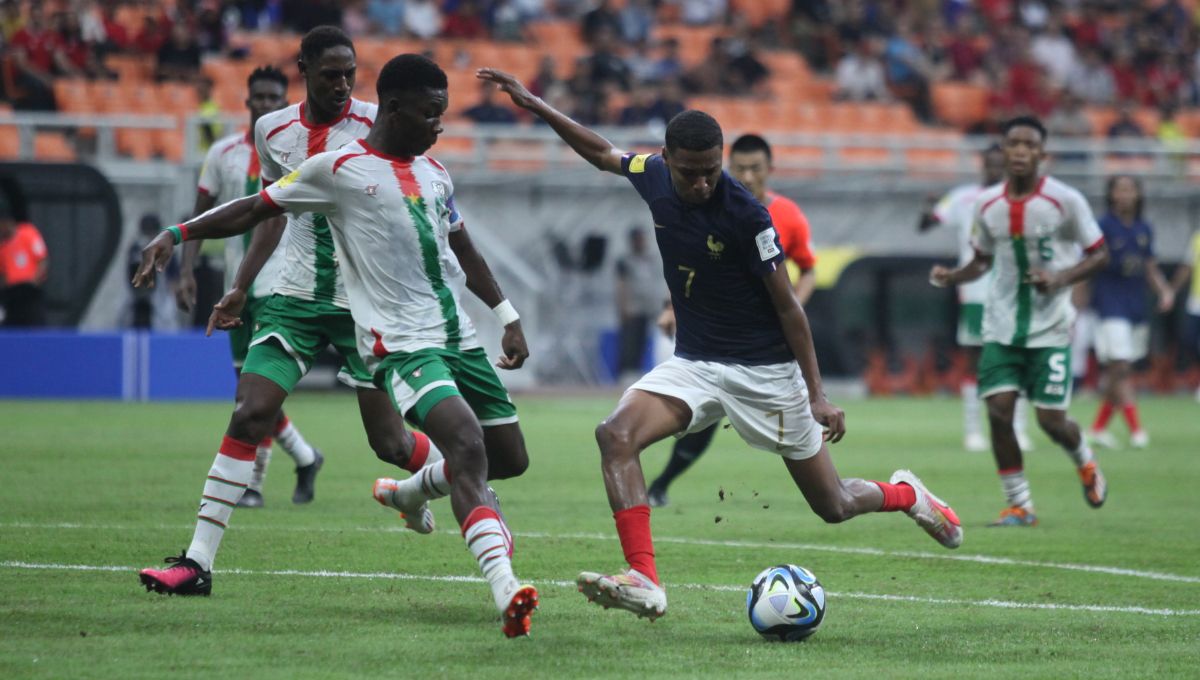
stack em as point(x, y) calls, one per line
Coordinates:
point(336, 589)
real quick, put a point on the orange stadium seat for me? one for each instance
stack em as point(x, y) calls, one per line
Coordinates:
point(959, 104)
point(53, 147)
point(137, 144)
point(10, 142)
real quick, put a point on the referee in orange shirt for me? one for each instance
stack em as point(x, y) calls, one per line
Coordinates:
point(24, 265)
point(750, 164)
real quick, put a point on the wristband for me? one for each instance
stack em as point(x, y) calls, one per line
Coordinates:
point(506, 313)
point(178, 233)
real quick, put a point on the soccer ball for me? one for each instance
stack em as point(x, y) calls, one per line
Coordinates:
point(785, 603)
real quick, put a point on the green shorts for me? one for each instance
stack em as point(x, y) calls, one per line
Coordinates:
point(239, 338)
point(418, 381)
point(1042, 373)
point(970, 324)
point(288, 335)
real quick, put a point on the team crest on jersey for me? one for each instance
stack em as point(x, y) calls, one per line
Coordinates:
point(371, 189)
point(288, 178)
point(283, 157)
point(715, 248)
point(440, 189)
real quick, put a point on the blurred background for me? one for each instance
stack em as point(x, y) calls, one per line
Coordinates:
point(874, 108)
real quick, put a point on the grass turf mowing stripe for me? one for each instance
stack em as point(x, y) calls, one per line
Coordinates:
point(845, 550)
point(1003, 604)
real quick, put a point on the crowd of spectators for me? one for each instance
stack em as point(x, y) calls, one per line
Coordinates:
point(1047, 57)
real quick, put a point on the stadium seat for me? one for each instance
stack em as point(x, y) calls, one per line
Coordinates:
point(137, 144)
point(10, 142)
point(959, 104)
point(53, 147)
point(694, 41)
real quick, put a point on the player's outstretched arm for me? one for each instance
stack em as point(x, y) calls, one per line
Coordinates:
point(592, 147)
point(942, 276)
point(230, 219)
point(799, 338)
point(483, 284)
point(227, 313)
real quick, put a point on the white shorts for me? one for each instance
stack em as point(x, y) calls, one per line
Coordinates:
point(1121, 340)
point(767, 405)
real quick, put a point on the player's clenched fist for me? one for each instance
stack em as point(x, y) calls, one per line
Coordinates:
point(939, 275)
point(516, 351)
point(832, 417)
point(155, 257)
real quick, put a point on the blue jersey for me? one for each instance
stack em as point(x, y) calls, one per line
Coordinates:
point(714, 258)
point(1120, 289)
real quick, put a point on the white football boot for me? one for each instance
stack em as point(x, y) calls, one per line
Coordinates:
point(931, 512)
point(419, 517)
point(630, 591)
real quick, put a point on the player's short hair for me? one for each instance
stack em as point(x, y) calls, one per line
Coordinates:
point(1025, 121)
point(410, 73)
point(268, 73)
point(321, 38)
point(994, 147)
point(751, 144)
point(1112, 184)
point(693, 130)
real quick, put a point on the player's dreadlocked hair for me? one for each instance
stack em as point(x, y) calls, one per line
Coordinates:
point(269, 73)
point(409, 73)
point(321, 38)
point(1025, 121)
point(751, 144)
point(693, 130)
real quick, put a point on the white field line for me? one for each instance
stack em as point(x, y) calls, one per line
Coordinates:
point(811, 547)
point(1001, 604)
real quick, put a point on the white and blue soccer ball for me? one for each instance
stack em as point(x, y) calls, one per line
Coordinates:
point(785, 603)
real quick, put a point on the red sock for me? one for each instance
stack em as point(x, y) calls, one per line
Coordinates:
point(420, 453)
point(633, 526)
point(1102, 416)
point(896, 497)
point(237, 449)
point(1131, 418)
point(281, 424)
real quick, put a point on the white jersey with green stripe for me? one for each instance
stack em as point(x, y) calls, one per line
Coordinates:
point(391, 219)
point(284, 140)
point(954, 210)
point(231, 171)
point(1044, 231)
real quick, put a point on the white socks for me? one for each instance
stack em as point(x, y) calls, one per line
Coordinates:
point(1082, 455)
point(262, 459)
point(294, 443)
point(487, 539)
point(972, 410)
point(1016, 488)
point(227, 481)
point(427, 484)
point(1021, 418)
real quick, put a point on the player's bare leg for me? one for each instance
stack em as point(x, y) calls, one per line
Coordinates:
point(395, 444)
point(506, 453)
point(258, 403)
point(452, 424)
point(1066, 433)
point(1118, 395)
point(1009, 462)
point(836, 500)
point(640, 419)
